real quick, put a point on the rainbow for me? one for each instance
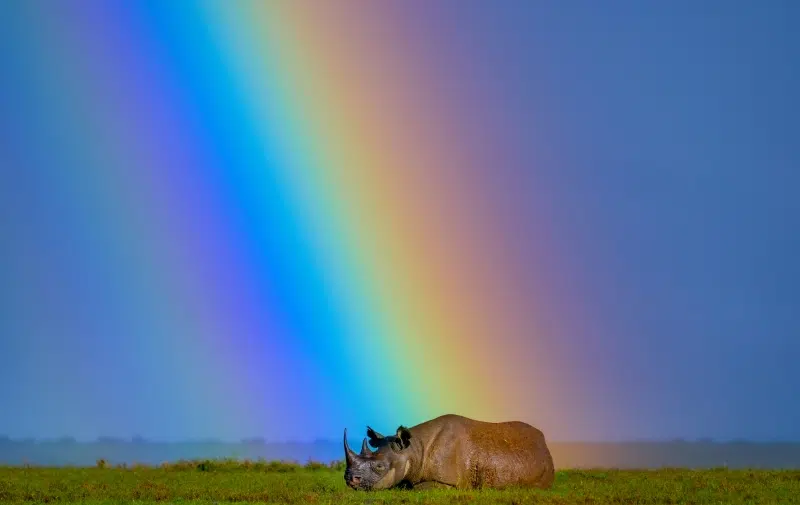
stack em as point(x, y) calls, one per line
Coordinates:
point(266, 218)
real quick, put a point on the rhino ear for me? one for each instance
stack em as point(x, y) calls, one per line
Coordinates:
point(374, 437)
point(404, 436)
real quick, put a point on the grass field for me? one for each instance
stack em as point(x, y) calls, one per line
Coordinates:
point(216, 482)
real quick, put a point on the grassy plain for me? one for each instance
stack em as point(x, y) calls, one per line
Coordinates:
point(260, 482)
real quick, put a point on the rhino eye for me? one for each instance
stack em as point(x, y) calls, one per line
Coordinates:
point(380, 466)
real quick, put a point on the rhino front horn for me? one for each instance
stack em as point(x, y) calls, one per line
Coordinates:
point(349, 455)
point(365, 451)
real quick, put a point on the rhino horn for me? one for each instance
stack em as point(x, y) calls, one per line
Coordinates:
point(349, 455)
point(365, 451)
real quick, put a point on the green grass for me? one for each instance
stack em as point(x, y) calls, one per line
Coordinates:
point(263, 482)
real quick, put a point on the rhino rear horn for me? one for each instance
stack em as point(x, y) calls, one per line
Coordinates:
point(365, 449)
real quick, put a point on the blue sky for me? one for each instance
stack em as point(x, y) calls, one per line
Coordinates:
point(673, 163)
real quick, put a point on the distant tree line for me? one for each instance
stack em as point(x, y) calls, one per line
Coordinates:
point(701, 453)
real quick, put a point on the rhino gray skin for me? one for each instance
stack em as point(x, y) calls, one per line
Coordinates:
point(452, 451)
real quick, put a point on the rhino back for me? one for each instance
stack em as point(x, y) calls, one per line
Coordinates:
point(511, 453)
point(440, 449)
point(466, 453)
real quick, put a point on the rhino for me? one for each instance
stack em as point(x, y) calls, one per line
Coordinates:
point(451, 451)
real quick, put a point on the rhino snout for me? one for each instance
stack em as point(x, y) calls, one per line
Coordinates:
point(354, 480)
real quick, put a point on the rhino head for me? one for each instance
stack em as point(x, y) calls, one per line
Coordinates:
point(380, 469)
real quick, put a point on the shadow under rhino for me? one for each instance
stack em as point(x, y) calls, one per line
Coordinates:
point(452, 451)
